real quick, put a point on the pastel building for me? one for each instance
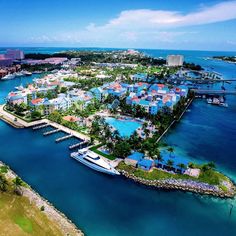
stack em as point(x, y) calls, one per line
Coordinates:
point(62, 102)
point(97, 93)
point(5, 61)
point(15, 54)
point(175, 60)
point(14, 98)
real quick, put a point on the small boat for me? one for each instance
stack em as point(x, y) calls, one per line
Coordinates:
point(19, 74)
point(216, 101)
point(20, 88)
point(26, 73)
point(37, 72)
point(223, 104)
point(93, 161)
point(9, 76)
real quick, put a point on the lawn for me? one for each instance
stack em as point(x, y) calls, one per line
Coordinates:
point(209, 176)
point(155, 174)
point(108, 156)
point(19, 217)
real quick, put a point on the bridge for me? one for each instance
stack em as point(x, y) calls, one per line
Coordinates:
point(214, 92)
point(206, 80)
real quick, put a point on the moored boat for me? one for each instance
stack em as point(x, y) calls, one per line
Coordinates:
point(8, 77)
point(94, 161)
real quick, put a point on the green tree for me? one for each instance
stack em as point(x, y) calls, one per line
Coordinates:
point(35, 115)
point(3, 183)
point(181, 166)
point(170, 164)
point(18, 183)
point(122, 149)
point(56, 117)
point(170, 150)
point(159, 159)
point(64, 89)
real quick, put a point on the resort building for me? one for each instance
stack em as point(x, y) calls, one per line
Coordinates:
point(62, 102)
point(154, 97)
point(16, 98)
point(98, 93)
point(175, 60)
point(5, 61)
point(15, 54)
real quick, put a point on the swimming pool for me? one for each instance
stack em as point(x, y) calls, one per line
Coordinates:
point(126, 127)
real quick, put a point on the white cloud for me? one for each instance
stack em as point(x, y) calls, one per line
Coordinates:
point(146, 27)
point(156, 19)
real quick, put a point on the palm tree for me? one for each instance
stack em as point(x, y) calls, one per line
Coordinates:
point(3, 183)
point(212, 165)
point(209, 166)
point(170, 150)
point(159, 159)
point(170, 164)
point(17, 183)
point(110, 146)
point(181, 166)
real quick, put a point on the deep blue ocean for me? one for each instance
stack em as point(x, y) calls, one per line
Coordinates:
point(104, 205)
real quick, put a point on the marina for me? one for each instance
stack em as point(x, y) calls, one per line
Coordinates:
point(51, 132)
point(90, 194)
point(63, 138)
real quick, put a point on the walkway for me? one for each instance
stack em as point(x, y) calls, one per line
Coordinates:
point(9, 118)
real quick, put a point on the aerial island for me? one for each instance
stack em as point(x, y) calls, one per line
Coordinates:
point(230, 59)
point(119, 105)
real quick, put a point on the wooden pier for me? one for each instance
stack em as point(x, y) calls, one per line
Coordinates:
point(40, 126)
point(77, 145)
point(64, 138)
point(51, 132)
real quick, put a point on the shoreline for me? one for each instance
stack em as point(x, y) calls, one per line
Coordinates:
point(175, 120)
point(67, 227)
point(182, 185)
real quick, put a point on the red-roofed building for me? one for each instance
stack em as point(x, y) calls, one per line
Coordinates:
point(36, 102)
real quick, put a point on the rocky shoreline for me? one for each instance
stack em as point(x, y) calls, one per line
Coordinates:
point(67, 226)
point(184, 185)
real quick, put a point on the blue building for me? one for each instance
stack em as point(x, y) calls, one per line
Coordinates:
point(145, 164)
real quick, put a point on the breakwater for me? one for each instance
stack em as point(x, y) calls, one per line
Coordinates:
point(67, 227)
point(184, 185)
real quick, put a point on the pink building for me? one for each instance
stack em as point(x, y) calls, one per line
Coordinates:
point(15, 54)
point(5, 61)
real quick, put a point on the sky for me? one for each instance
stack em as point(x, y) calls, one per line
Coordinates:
point(154, 24)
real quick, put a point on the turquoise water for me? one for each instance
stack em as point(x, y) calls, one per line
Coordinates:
point(104, 205)
point(9, 85)
point(125, 127)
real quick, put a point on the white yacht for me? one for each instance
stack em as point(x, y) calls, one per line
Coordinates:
point(26, 73)
point(9, 76)
point(93, 161)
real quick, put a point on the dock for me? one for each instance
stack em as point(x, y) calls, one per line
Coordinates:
point(51, 132)
point(77, 145)
point(41, 126)
point(64, 138)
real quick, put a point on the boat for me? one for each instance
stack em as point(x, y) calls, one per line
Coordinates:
point(94, 161)
point(20, 88)
point(18, 74)
point(26, 73)
point(9, 76)
point(37, 72)
point(223, 104)
point(216, 101)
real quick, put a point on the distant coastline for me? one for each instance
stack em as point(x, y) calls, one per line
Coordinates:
point(229, 59)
